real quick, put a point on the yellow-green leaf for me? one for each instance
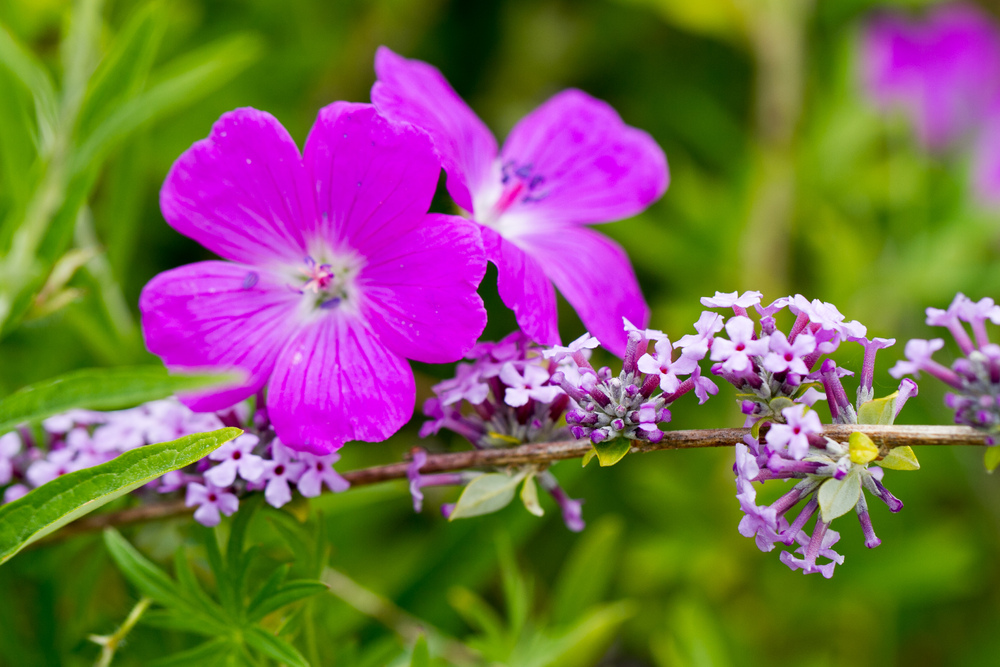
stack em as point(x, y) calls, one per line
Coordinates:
point(900, 458)
point(529, 496)
point(839, 496)
point(588, 457)
point(862, 449)
point(880, 411)
point(992, 458)
point(611, 452)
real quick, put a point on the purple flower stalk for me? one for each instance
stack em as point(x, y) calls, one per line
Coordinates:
point(336, 273)
point(570, 163)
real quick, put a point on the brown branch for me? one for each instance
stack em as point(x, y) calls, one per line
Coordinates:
point(886, 437)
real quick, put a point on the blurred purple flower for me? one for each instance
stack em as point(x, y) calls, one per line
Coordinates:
point(211, 501)
point(942, 71)
point(571, 162)
point(337, 274)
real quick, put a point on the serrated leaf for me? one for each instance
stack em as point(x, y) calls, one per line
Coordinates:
point(98, 389)
point(881, 411)
point(901, 458)
point(274, 647)
point(837, 497)
point(862, 449)
point(70, 496)
point(485, 494)
point(421, 654)
point(991, 458)
point(589, 456)
point(612, 451)
point(529, 496)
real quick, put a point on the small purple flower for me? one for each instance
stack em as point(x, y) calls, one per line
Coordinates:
point(236, 456)
point(707, 326)
point(413, 475)
point(666, 367)
point(319, 471)
point(918, 358)
point(793, 435)
point(786, 357)
point(10, 446)
point(526, 386)
point(819, 545)
point(735, 352)
point(211, 501)
point(570, 163)
point(336, 274)
point(732, 300)
point(57, 463)
point(279, 472)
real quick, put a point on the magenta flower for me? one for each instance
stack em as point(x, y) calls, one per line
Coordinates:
point(570, 163)
point(942, 71)
point(337, 274)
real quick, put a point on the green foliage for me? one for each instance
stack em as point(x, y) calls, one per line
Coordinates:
point(611, 451)
point(241, 626)
point(486, 493)
point(837, 497)
point(97, 389)
point(70, 496)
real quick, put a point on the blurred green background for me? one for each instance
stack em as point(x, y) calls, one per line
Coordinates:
point(784, 179)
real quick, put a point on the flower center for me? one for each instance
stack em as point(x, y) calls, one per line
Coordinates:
point(237, 456)
point(330, 283)
point(519, 184)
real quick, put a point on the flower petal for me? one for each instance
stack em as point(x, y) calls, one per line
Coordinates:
point(373, 178)
point(242, 192)
point(218, 315)
point(336, 381)
point(524, 288)
point(594, 167)
point(420, 290)
point(594, 274)
point(415, 92)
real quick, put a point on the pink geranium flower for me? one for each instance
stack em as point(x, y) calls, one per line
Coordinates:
point(337, 274)
point(570, 163)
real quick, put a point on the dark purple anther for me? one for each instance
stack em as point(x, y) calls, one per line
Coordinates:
point(250, 280)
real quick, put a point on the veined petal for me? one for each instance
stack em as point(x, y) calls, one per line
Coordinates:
point(335, 382)
point(417, 93)
point(524, 288)
point(420, 290)
point(594, 274)
point(242, 192)
point(373, 179)
point(218, 315)
point(588, 165)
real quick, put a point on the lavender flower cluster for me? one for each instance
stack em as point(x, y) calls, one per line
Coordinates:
point(777, 375)
point(254, 461)
point(974, 377)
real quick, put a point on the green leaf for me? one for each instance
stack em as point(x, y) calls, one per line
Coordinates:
point(25, 67)
point(291, 592)
point(124, 69)
point(780, 403)
point(98, 389)
point(612, 451)
point(588, 570)
point(148, 578)
point(880, 411)
point(485, 494)
point(70, 496)
point(529, 496)
point(421, 654)
point(216, 652)
point(589, 456)
point(839, 496)
point(194, 76)
point(757, 425)
point(274, 647)
point(992, 458)
point(901, 458)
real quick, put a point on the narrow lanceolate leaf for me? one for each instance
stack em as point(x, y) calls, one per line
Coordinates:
point(274, 647)
point(98, 389)
point(69, 497)
point(879, 411)
point(900, 458)
point(529, 496)
point(611, 452)
point(837, 497)
point(487, 493)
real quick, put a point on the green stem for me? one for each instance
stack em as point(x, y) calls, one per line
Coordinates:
point(110, 643)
